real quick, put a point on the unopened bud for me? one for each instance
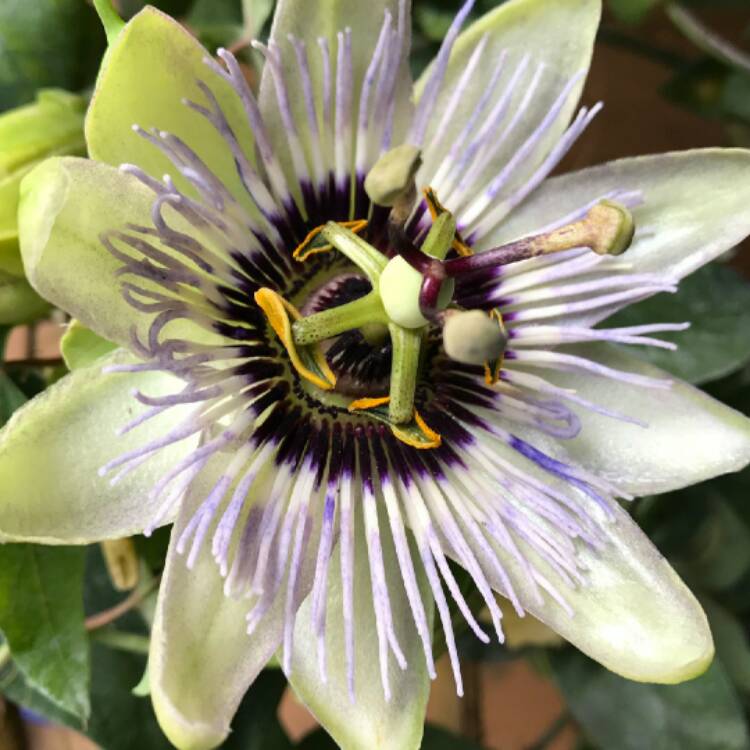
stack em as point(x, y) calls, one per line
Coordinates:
point(393, 175)
point(473, 337)
point(52, 125)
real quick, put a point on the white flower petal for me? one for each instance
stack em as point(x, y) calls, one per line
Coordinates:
point(694, 208)
point(557, 35)
point(633, 614)
point(690, 436)
point(308, 23)
point(150, 67)
point(53, 447)
point(369, 721)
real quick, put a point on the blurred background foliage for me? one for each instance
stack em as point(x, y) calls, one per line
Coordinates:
point(75, 642)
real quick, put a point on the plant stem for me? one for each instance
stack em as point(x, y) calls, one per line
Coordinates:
point(108, 616)
point(131, 642)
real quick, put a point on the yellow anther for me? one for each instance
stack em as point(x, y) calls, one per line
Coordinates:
point(416, 433)
point(314, 243)
point(429, 438)
point(492, 368)
point(362, 404)
point(436, 208)
point(308, 361)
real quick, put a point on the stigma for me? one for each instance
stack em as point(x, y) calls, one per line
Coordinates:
point(413, 290)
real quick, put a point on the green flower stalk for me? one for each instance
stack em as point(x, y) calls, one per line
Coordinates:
point(358, 338)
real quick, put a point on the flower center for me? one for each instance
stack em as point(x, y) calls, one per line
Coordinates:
point(405, 291)
point(360, 358)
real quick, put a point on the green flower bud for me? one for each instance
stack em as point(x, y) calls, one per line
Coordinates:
point(473, 337)
point(50, 126)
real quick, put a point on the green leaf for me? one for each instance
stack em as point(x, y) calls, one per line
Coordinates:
point(718, 556)
point(699, 86)
point(255, 15)
point(255, 725)
point(735, 99)
point(715, 300)
point(436, 738)
point(217, 23)
point(732, 645)
point(120, 720)
point(14, 687)
point(215, 12)
point(45, 43)
point(433, 22)
point(632, 11)
point(41, 615)
point(317, 740)
point(52, 125)
point(19, 303)
point(703, 714)
point(11, 397)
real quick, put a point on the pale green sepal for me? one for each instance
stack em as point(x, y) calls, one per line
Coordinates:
point(690, 436)
point(368, 722)
point(308, 22)
point(694, 208)
point(632, 613)
point(202, 660)
point(66, 205)
point(558, 34)
point(152, 65)
point(80, 346)
point(52, 448)
point(143, 688)
point(110, 19)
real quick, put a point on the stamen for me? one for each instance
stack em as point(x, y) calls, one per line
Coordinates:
point(308, 361)
point(473, 337)
point(317, 241)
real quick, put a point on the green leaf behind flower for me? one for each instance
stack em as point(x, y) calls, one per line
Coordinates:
point(616, 714)
point(41, 615)
point(716, 301)
point(11, 397)
point(46, 43)
point(632, 11)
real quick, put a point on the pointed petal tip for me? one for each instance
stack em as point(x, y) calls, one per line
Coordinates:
point(180, 731)
point(687, 657)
